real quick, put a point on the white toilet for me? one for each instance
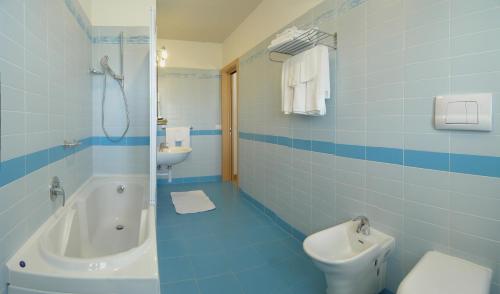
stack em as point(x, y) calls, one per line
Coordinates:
point(438, 273)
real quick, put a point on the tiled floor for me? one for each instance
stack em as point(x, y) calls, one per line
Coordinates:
point(233, 249)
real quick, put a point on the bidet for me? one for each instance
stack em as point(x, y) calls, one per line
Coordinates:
point(353, 262)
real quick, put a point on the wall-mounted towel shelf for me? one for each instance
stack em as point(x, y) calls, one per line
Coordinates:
point(310, 38)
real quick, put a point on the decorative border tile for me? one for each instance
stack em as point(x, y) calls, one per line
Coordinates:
point(80, 16)
point(189, 180)
point(347, 5)
point(181, 73)
point(139, 39)
point(162, 133)
point(458, 163)
point(276, 218)
point(18, 167)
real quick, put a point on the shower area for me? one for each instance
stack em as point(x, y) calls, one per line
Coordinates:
point(120, 71)
point(95, 232)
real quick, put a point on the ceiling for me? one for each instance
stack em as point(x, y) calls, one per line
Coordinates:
point(201, 20)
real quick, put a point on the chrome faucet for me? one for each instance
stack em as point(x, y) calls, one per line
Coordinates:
point(363, 226)
point(56, 190)
point(164, 146)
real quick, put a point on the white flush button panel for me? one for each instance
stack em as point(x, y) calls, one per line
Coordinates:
point(471, 112)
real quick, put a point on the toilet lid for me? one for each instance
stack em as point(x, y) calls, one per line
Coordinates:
point(438, 273)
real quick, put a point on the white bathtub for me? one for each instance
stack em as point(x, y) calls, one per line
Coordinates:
point(102, 242)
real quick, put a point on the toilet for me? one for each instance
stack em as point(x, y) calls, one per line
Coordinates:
point(438, 273)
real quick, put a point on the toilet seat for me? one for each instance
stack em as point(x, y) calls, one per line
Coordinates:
point(438, 273)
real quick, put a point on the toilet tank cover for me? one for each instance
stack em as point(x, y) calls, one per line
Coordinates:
point(438, 273)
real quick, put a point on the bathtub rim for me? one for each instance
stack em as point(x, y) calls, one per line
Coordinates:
point(116, 260)
point(29, 250)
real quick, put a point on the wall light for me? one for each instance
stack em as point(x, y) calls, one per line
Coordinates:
point(162, 57)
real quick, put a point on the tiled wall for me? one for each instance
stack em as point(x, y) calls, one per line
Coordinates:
point(131, 156)
point(376, 152)
point(45, 52)
point(191, 97)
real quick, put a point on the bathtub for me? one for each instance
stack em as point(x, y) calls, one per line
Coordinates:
point(102, 242)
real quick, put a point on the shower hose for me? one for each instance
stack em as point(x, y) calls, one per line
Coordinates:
point(114, 139)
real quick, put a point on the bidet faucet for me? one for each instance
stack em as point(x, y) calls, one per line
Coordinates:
point(363, 226)
point(56, 190)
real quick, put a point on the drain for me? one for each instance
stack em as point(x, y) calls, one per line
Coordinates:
point(120, 227)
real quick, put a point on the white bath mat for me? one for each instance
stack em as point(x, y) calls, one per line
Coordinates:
point(191, 202)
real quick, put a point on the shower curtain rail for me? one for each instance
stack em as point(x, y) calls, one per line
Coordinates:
point(307, 40)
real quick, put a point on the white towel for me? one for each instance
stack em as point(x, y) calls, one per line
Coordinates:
point(285, 36)
point(306, 82)
point(315, 73)
point(298, 88)
point(178, 134)
point(286, 90)
point(191, 202)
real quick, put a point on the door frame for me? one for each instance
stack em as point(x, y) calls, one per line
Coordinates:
point(153, 100)
point(226, 120)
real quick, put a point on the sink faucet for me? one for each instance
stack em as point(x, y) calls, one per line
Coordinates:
point(164, 146)
point(56, 190)
point(363, 226)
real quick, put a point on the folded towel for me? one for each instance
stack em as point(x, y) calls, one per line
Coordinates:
point(178, 134)
point(285, 36)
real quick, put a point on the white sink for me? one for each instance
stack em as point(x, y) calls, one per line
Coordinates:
point(353, 263)
point(172, 155)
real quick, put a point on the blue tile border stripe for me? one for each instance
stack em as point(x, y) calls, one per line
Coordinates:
point(458, 163)
point(161, 133)
point(126, 141)
point(277, 219)
point(427, 159)
point(190, 180)
point(475, 164)
point(18, 167)
point(136, 39)
point(81, 18)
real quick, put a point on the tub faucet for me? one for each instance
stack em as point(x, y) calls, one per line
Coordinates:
point(56, 190)
point(363, 226)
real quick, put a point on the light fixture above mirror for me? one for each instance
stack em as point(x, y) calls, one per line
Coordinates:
point(162, 57)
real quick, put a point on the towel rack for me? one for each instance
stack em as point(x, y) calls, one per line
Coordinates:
point(307, 40)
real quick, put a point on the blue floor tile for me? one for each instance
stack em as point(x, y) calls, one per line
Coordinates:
point(209, 265)
point(172, 248)
point(175, 269)
point(262, 280)
point(186, 287)
point(235, 248)
point(225, 284)
point(244, 258)
point(204, 244)
point(273, 251)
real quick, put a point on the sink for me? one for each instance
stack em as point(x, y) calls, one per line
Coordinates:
point(353, 263)
point(172, 155)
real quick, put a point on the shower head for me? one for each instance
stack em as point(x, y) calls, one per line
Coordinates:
point(106, 68)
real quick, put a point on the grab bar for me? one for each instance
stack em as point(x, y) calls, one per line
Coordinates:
point(72, 144)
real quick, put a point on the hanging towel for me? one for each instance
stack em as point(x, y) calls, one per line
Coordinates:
point(315, 73)
point(286, 90)
point(306, 82)
point(178, 134)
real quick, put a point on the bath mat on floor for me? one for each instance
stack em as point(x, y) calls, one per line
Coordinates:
point(191, 202)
